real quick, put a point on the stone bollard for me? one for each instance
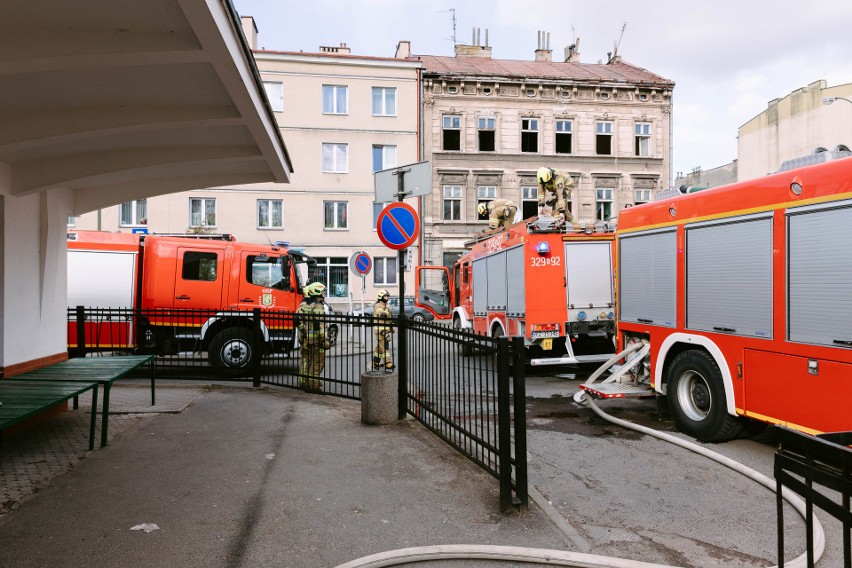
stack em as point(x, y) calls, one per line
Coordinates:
point(379, 397)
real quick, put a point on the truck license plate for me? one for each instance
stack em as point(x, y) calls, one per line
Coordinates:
point(547, 344)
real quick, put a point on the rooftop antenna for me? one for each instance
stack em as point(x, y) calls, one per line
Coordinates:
point(453, 10)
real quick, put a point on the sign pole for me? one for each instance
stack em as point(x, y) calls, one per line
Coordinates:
point(402, 371)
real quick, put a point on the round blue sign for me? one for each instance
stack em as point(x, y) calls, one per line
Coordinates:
point(363, 263)
point(398, 226)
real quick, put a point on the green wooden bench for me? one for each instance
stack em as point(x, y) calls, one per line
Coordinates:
point(31, 393)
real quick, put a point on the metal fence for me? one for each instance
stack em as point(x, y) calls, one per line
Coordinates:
point(819, 468)
point(468, 389)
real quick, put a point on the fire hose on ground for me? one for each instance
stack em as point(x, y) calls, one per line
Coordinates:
point(580, 559)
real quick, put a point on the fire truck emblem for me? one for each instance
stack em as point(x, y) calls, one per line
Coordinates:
point(266, 299)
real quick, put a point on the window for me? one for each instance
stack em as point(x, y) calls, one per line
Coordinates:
point(603, 132)
point(268, 271)
point(72, 220)
point(564, 133)
point(275, 95)
point(604, 203)
point(452, 132)
point(529, 202)
point(642, 144)
point(384, 101)
point(199, 266)
point(335, 214)
point(377, 209)
point(642, 196)
point(484, 194)
point(384, 157)
point(335, 158)
point(384, 271)
point(270, 213)
point(529, 135)
point(334, 99)
point(334, 273)
point(133, 213)
point(486, 133)
point(202, 212)
point(452, 202)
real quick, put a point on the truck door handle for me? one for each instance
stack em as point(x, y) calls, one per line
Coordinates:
point(725, 329)
point(183, 297)
point(843, 342)
point(643, 320)
point(245, 299)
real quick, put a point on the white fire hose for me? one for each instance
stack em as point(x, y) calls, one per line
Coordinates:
point(580, 559)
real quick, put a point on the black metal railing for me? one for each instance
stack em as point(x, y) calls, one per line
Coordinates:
point(469, 390)
point(466, 388)
point(819, 468)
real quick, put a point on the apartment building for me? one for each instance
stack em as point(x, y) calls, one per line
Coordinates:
point(489, 124)
point(815, 116)
point(344, 117)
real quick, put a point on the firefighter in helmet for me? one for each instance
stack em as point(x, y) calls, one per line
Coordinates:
point(310, 321)
point(554, 191)
point(501, 212)
point(382, 331)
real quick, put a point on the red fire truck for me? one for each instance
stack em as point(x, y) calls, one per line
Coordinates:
point(743, 294)
point(184, 293)
point(549, 284)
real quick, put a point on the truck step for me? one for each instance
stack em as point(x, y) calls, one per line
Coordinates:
point(593, 358)
point(618, 390)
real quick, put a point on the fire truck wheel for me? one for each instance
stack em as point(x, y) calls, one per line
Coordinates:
point(466, 350)
point(697, 398)
point(233, 348)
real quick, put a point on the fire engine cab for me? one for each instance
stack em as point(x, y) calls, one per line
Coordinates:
point(548, 283)
point(185, 293)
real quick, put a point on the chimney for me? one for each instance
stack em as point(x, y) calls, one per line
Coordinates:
point(249, 31)
point(572, 52)
point(342, 50)
point(403, 49)
point(543, 53)
point(475, 50)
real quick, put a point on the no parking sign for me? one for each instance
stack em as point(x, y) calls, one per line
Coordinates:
point(360, 263)
point(398, 226)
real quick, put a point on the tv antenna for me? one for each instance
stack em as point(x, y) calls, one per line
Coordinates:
point(453, 10)
point(618, 43)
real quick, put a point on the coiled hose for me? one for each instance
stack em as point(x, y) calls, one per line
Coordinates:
point(580, 559)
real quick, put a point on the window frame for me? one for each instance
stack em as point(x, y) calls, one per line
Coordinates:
point(138, 212)
point(337, 223)
point(335, 100)
point(276, 100)
point(562, 133)
point(384, 150)
point(637, 200)
point(604, 128)
point(642, 140)
point(530, 126)
point(270, 214)
point(383, 101)
point(529, 201)
point(203, 212)
point(335, 167)
point(445, 129)
point(380, 268)
point(490, 127)
point(604, 203)
point(455, 200)
point(325, 268)
point(484, 194)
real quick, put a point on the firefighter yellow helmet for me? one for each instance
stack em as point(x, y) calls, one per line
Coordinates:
point(314, 289)
point(482, 209)
point(382, 295)
point(544, 175)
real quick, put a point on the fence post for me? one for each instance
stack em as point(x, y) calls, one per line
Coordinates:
point(402, 367)
point(81, 332)
point(504, 431)
point(258, 345)
point(520, 421)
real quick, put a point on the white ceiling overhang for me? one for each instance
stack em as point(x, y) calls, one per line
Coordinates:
point(123, 99)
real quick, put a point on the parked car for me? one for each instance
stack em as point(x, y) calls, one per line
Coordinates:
point(412, 312)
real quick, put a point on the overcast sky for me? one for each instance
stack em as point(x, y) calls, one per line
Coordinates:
point(728, 58)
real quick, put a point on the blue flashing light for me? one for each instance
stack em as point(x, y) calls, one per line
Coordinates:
point(581, 316)
point(610, 315)
point(543, 248)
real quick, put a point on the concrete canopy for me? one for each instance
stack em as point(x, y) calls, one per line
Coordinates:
point(123, 99)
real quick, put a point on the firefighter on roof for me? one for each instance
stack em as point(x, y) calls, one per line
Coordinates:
point(554, 191)
point(311, 325)
point(501, 212)
point(382, 331)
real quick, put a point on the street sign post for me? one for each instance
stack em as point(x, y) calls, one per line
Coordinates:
point(360, 264)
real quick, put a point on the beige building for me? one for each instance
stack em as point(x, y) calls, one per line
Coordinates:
point(795, 126)
point(488, 125)
point(344, 116)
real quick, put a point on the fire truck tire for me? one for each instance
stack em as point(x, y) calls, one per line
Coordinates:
point(697, 398)
point(233, 348)
point(466, 350)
